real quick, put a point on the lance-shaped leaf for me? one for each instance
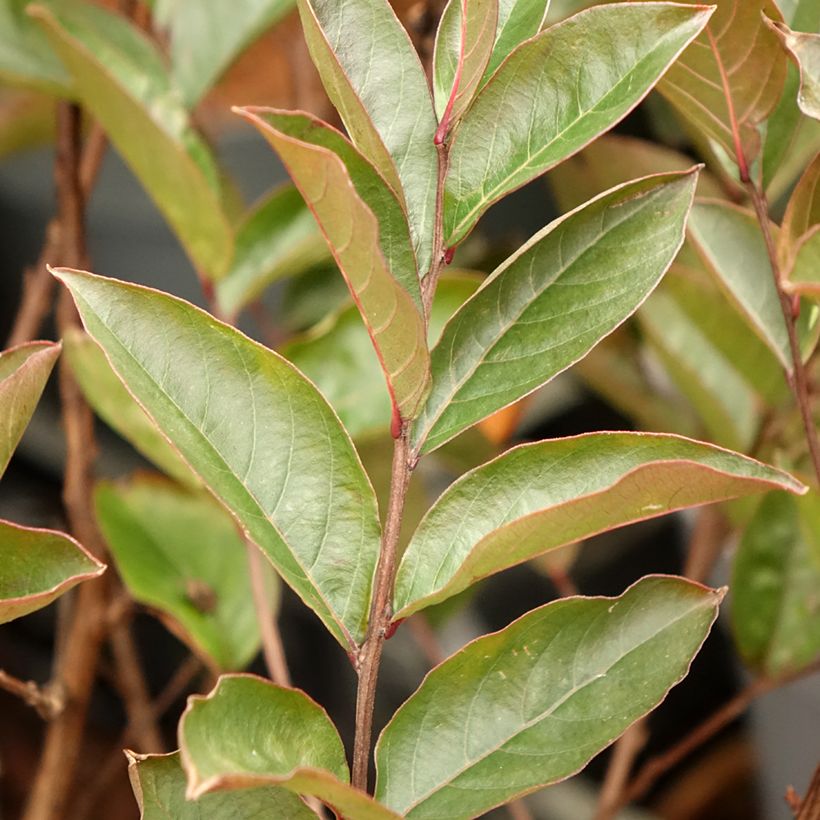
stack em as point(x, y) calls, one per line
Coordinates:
point(730, 79)
point(367, 234)
point(105, 393)
point(256, 431)
point(180, 553)
point(518, 20)
point(120, 78)
point(278, 238)
point(464, 43)
point(250, 732)
point(551, 97)
point(37, 566)
point(532, 704)
point(804, 49)
point(24, 371)
point(360, 50)
point(802, 213)
point(775, 606)
point(552, 301)
point(159, 784)
point(207, 37)
point(537, 497)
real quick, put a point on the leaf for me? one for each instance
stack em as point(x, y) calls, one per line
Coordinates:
point(544, 308)
point(804, 49)
point(120, 78)
point(117, 408)
point(250, 732)
point(360, 49)
point(537, 497)
point(367, 235)
point(532, 704)
point(159, 785)
point(464, 43)
point(578, 78)
point(180, 553)
point(518, 20)
point(257, 433)
point(775, 605)
point(24, 371)
point(804, 275)
point(802, 214)
point(729, 240)
point(37, 566)
point(731, 78)
point(207, 38)
point(278, 238)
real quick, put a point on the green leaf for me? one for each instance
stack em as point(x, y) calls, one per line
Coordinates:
point(804, 274)
point(38, 566)
point(518, 20)
point(464, 43)
point(802, 213)
point(180, 553)
point(278, 238)
point(804, 49)
point(24, 371)
point(159, 784)
point(117, 408)
point(578, 78)
point(532, 704)
point(731, 78)
point(360, 50)
point(368, 236)
point(775, 606)
point(730, 242)
point(120, 78)
point(256, 431)
point(250, 732)
point(207, 37)
point(537, 497)
point(544, 308)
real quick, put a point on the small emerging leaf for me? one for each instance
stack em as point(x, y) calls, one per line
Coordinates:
point(37, 566)
point(532, 704)
point(804, 49)
point(518, 20)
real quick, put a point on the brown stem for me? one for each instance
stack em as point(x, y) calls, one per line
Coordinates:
point(624, 753)
point(47, 700)
point(810, 804)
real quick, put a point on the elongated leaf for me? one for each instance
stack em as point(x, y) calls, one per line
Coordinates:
point(258, 434)
point(804, 274)
point(547, 305)
point(731, 78)
point(116, 407)
point(207, 37)
point(802, 213)
point(368, 237)
point(463, 47)
point(278, 238)
point(24, 371)
point(518, 20)
point(360, 49)
point(572, 95)
point(159, 784)
point(120, 78)
point(541, 496)
point(804, 49)
point(180, 553)
point(37, 566)
point(532, 704)
point(775, 606)
point(249, 732)
point(730, 242)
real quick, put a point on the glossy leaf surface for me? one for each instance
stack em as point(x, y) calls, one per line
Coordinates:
point(775, 607)
point(159, 784)
point(548, 304)
point(181, 554)
point(360, 50)
point(578, 79)
point(540, 496)
point(804, 49)
point(120, 78)
point(368, 237)
point(258, 434)
point(731, 77)
point(24, 371)
point(37, 566)
point(518, 20)
point(532, 704)
point(250, 732)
